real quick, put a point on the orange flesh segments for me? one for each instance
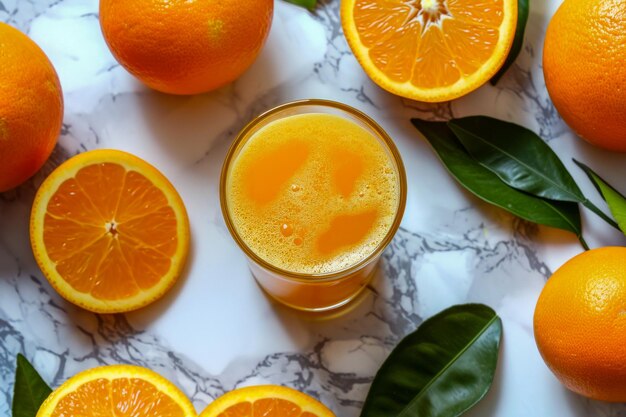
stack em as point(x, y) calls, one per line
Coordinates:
point(111, 242)
point(266, 401)
point(117, 391)
point(109, 231)
point(430, 50)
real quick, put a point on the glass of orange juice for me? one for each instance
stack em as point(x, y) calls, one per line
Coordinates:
point(313, 191)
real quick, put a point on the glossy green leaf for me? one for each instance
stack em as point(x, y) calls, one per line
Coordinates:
point(486, 185)
point(520, 158)
point(442, 369)
point(615, 200)
point(309, 4)
point(523, 9)
point(30, 389)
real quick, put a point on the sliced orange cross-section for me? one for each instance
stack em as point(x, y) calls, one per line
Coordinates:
point(266, 401)
point(109, 231)
point(117, 391)
point(430, 50)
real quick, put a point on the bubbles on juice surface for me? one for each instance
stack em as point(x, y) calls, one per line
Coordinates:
point(324, 212)
point(286, 229)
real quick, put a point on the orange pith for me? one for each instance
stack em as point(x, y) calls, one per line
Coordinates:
point(266, 401)
point(117, 391)
point(430, 50)
point(109, 231)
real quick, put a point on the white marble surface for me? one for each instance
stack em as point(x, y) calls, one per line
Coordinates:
point(216, 331)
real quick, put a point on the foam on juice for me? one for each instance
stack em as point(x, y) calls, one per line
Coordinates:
point(313, 193)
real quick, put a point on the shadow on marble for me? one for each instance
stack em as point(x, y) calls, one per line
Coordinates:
point(183, 126)
point(555, 238)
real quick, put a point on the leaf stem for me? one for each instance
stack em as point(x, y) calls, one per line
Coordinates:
point(600, 213)
point(583, 242)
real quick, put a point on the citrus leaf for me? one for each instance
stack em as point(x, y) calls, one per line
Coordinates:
point(523, 9)
point(30, 389)
point(487, 186)
point(309, 4)
point(520, 158)
point(442, 369)
point(615, 200)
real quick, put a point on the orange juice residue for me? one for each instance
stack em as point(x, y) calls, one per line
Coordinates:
point(313, 193)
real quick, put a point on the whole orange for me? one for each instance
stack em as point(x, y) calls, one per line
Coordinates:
point(185, 46)
point(580, 324)
point(585, 69)
point(31, 107)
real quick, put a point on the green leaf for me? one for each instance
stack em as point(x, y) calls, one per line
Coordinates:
point(442, 369)
point(615, 199)
point(486, 185)
point(523, 9)
point(309, 4)
point(520, 158)
point(30, 389)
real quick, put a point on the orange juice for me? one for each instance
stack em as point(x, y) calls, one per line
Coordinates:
point(311, 195)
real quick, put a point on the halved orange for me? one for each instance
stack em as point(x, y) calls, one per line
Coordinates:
point(266, 401)
point(117, 391)
point(109, 231)
point(430, 50)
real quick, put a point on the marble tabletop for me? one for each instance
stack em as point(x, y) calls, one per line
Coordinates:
point(215, 330)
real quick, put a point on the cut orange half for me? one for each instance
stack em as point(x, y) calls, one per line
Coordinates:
point(266, 401)
point(109, 231)
point(430, 50)
point(117, 391)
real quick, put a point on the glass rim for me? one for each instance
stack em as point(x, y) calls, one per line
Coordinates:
point(329, 276)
